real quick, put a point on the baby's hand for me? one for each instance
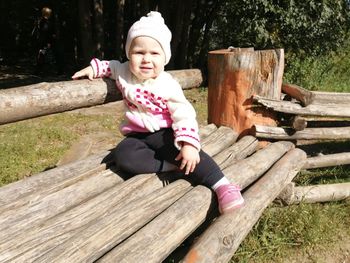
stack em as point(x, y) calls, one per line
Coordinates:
point(85, 72)
point(190, 157)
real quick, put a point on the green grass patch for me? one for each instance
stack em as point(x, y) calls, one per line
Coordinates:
point(31, 146)
point(281, 229)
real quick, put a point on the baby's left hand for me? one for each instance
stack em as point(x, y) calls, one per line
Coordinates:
point(190, 157)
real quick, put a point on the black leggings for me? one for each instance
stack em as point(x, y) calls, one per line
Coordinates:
point(145, 152)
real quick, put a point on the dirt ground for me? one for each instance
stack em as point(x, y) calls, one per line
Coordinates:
point(20, 75)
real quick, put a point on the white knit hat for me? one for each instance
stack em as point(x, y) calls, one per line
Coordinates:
point(152, 26)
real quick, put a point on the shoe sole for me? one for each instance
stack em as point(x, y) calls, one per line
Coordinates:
point(232, 207)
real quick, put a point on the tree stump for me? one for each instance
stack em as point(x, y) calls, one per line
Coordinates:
point(234, 75)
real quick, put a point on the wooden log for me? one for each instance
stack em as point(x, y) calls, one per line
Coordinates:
point(207, 130)
point(299, 93)
point(329, 110)
point(219, 140)
point(56, 202)
point(238, 151)
point(320, 97)
point(220, 241)
point(46, 98)
point(248, 170)
point(40, 238)
point(314, 193)
point(327, 160)
point(279, 133)
point(49, 230)
point(299, 123)
point(104, 234)
point(192, 208)
point(233, 77)
point(156, 240)
point(18, 190)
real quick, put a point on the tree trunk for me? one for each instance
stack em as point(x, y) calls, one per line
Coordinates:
point(47, 98)
point(220, 241)
point(279, 133)
point(85, 29)
point(98, 29)
point(120, 41)
point(234, 76)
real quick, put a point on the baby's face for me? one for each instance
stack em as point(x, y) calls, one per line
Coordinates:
point(146, 57)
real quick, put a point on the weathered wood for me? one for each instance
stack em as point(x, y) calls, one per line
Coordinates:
point(207, 130)
point(40, 238)
point(198, 200)
point(104, 234)
point(320, 97)
point(233, 77)
point(250, 169)
point(299, 123)
point(327, 160)
point(239, 150)
point(330, 110)
point(17, 190)
point(299, 93)
point(46, 98)
point(56, 202)
point(314, 193)
point(220, 241)
point(279, 133)
point(219, 140)
point(156, 240)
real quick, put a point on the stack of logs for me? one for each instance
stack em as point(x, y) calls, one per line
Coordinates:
point(85, 212)
point(308, 117)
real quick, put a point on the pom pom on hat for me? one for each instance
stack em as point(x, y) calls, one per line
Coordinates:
point(152, 26)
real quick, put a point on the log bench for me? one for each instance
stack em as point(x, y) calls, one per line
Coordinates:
point(87, 212)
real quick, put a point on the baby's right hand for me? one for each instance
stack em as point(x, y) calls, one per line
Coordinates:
point(85, 72)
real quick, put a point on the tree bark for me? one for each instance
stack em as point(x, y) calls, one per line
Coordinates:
point(236, 75)
point(98, 29)
point(314, 193)
point(85, 29)
point(279, 133)
point(46, 98)
point(220, 241)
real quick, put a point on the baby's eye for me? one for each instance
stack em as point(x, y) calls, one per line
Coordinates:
point(155, 53)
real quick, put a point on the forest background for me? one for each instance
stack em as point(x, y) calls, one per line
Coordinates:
point(98, 28)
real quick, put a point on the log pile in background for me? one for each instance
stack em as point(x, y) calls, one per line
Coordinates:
point(313, 117)
point(86, 212)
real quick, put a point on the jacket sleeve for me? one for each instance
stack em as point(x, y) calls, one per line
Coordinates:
point(105, 68)
point(182, 113)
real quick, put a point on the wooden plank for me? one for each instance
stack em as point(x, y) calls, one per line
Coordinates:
point(46, 98)
point(314, 193)
point(220, 241)
point(327, 160)
point(330, 110)
point(279, 133)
